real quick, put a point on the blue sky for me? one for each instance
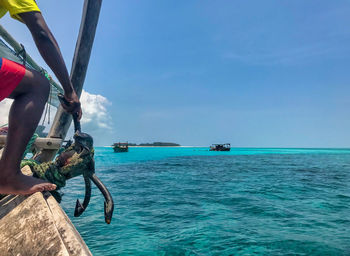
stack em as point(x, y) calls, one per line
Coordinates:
point(253, 73)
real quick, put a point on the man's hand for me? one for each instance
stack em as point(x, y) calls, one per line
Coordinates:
point(74, 106)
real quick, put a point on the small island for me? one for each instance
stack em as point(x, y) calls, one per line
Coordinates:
point(156, 144)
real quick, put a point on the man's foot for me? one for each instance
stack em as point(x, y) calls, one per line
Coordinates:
point(19, 184)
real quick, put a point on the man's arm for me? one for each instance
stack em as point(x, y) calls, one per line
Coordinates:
point(50, 51)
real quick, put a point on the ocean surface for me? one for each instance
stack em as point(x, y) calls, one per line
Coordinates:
point(190, 201)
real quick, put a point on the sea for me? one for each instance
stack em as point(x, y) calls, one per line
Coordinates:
point(192, 201)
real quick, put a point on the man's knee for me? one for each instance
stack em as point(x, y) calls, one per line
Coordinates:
point(45, 87)
point(41, 85)
point(33, 82)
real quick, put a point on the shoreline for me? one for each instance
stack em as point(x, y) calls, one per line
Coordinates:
point(320, 148)
point(160, 147)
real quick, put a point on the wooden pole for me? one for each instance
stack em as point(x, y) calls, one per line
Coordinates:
point(44, 143)
point(80, 63)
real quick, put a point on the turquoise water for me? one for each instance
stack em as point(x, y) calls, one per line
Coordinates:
point(189, 201)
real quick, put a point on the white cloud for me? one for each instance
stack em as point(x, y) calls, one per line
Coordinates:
point(95, 114)
point(4, 111)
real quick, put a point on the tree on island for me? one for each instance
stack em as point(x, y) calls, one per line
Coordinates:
point(156, 144)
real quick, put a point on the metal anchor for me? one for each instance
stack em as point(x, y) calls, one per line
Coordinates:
point(84, 142)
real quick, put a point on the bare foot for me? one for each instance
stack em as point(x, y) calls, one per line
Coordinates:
point(19, 184)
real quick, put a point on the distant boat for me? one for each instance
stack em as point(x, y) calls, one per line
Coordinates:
point(220, 147)
point(121, 147)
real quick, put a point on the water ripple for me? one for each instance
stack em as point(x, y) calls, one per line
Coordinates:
point(250, 204)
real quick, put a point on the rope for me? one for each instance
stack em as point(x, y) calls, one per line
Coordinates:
point(68, 165)
point(22, 53)
point(48, 103)
point(30, 144)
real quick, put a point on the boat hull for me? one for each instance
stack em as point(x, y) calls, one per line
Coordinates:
point(120, 150)
point(224, 149)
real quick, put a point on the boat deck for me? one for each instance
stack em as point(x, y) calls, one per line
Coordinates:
point(37, 225)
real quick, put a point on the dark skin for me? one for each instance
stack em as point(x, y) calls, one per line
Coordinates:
point(30, 97)
point(50, 51)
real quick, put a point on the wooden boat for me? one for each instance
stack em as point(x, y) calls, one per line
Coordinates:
point(36, 224)
point(220, 147)
point(121, 147)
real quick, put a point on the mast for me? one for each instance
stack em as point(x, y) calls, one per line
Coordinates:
point(62, 121)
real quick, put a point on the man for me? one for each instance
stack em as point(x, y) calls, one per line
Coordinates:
point(30, 90)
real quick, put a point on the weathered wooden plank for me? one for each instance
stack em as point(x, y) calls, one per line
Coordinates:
point(27, 228)
point(36, 225)
point(72, 240)
point(48, 143)
point(80, 63)
point(42, 143)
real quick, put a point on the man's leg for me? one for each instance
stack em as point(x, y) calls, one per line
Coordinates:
point(29, 101)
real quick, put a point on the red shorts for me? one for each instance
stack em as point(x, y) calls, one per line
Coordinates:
point(11, 74)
